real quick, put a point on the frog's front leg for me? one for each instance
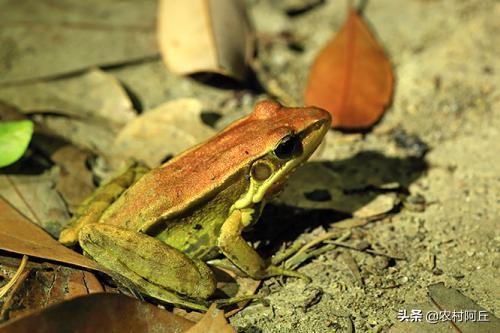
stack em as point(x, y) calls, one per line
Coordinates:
point(153, 267)
point(242, 255)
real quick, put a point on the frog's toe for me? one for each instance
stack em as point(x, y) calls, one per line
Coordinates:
point(276, 270)
point(68, 237)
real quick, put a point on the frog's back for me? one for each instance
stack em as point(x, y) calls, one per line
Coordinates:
point(206, 169)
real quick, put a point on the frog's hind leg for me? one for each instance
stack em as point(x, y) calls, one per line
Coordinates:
point(153, 267)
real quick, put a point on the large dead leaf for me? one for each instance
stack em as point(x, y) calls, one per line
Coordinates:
point(19, 235)
point(449, 299)
point(99, 313)
point(42, 284)
point(91, 135)
point(34, 196)
point(40, 39)
point(205, 36)
point(351, 77)
point(92, 95)
point(166, 130)
point(162, 85)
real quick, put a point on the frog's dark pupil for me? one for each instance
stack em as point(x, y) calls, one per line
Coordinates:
point(289, 147)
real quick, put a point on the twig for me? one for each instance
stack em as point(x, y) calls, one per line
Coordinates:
point(5, 289)
point(302, 255)
point(281, 256)
point(347, 246)
point(353, 267)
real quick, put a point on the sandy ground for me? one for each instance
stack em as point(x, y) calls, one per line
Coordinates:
point(436, 152)
point(440, 141)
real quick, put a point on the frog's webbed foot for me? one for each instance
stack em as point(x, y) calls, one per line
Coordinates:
point(272, 270)
point(279, 271)
point(149, 265)
point(236, 299)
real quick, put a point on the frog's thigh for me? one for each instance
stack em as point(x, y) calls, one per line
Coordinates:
point(146, 261)
point(236, 249)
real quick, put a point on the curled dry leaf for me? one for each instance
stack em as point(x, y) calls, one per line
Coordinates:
point(351, 77)
point(166, 130)
point(205, 36)
point(101, 312)
point(19, 235)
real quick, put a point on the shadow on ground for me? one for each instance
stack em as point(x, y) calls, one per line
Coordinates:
point(321, 193)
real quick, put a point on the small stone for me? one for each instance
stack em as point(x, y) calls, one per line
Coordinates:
point(437, 271)
point(362, 245)
point(415, 203)
point(382, 204)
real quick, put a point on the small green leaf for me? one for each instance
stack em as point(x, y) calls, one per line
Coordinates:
point(14, 139)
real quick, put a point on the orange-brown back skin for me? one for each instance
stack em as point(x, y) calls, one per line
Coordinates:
point(205, 168)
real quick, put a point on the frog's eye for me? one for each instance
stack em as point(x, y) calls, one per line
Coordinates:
point(290, 146)
point(261, 171)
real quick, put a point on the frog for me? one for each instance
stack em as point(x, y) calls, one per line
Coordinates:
point(157, 229)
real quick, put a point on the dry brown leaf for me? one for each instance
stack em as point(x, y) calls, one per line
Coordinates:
point(44, 284)
point(351, 77)
point(213, 321)
point(205, 36)
point(166, 130)
point(94, 95)
point(444, 303)
point(19, 235)
point(99, 313)
point(449, 299)
point(34, 197)
point(44, 39)
point(75, 180)
point(77, 132)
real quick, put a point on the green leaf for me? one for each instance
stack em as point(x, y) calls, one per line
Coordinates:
point(14, 139)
